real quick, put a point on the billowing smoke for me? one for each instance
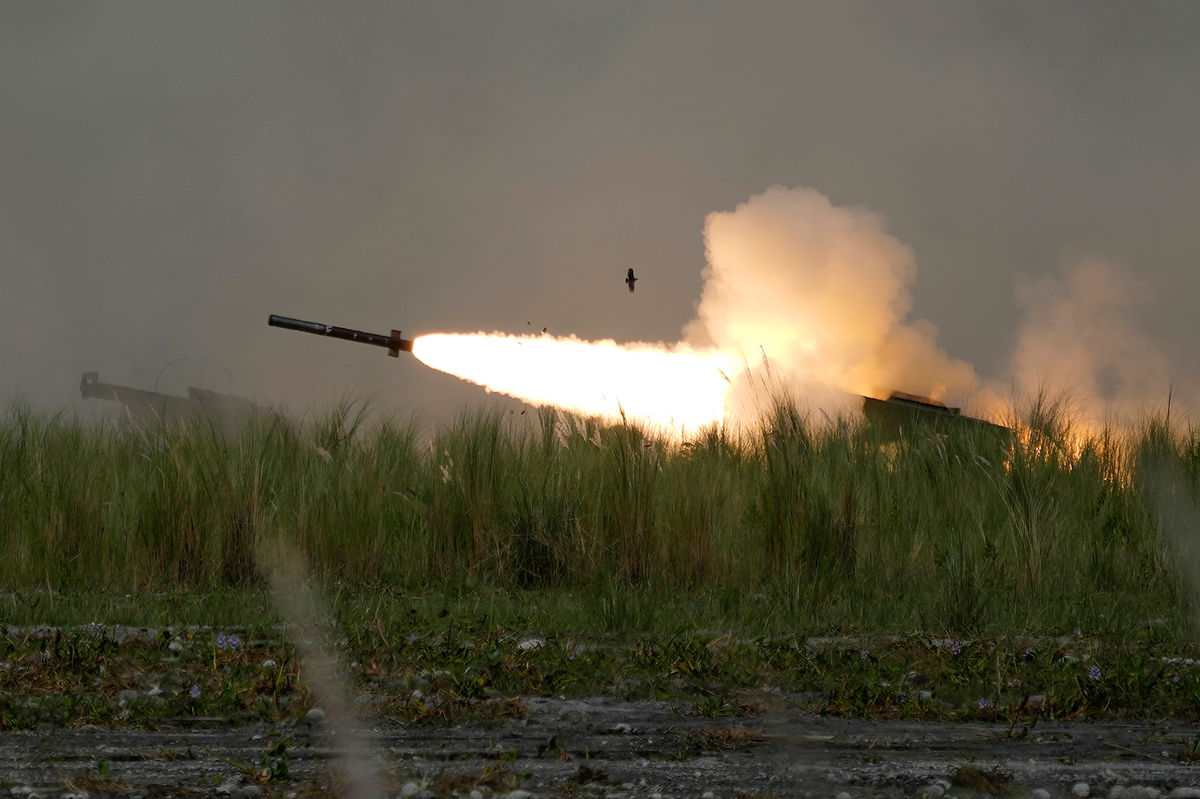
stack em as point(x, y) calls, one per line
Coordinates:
point(1080, 340)
point(823, 292)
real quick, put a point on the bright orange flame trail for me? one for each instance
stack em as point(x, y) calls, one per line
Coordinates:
point(672, 387)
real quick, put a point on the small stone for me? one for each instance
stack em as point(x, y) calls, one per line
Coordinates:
point(425, 793)
point(268, 664)
point(247, 792)
point(410, 789)
point(934, 791)
point(1081, 790)
point(518, 794)
point(1039, 793)
point(531, 643)
point(314, 716)
point(622, 728)
point(475, 794)
point(1141, 792)
point(1184, 792)
point(1116, 792)
point(842, 795)
point(175, 646)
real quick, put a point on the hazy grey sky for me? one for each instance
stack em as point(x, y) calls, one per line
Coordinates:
point(171, 173)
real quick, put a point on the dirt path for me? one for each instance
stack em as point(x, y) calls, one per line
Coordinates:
point(605, 747)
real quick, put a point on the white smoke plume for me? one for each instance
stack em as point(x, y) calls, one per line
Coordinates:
point(1080, 338)
point(824, 293)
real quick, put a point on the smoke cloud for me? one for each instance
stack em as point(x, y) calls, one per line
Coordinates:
point(1080, 338)
point(823, 293)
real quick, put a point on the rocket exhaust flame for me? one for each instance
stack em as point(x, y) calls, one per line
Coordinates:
point(673, 387)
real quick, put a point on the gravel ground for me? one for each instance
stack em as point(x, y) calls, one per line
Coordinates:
point(609, 748)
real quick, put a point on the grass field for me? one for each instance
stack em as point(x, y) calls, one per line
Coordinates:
point(811, 558)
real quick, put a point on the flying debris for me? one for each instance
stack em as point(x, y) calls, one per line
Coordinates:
point(392, 343)
point(630, 279)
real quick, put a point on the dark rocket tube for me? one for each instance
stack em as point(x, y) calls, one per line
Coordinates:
point(393, 343)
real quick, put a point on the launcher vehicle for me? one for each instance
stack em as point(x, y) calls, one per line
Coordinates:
point(224, 412)
point(903, 415)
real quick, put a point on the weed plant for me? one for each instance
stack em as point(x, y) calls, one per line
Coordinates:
point(790, 525)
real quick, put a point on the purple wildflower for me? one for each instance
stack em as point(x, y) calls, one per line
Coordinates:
point(1029, 653)
point(1078, 633)
point(954, 648)
point(194, 692)
point(1174, 678)
point(234, 641)
point(220, 640)
point(1094, 672)
point(984, 702)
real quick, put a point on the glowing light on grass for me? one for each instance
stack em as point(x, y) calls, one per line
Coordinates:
point(672, 387)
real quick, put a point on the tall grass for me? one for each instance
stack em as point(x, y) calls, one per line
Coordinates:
point(794, 522)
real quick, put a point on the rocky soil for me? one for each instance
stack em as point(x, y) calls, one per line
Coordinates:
point(605, 747)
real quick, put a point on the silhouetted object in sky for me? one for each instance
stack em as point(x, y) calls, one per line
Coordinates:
point(630, 279)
